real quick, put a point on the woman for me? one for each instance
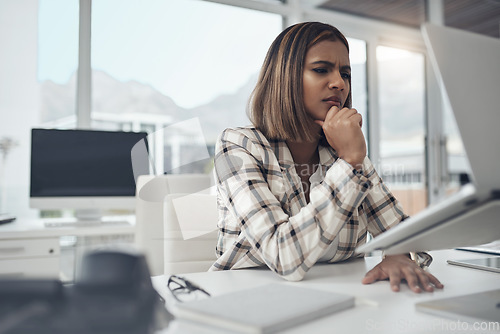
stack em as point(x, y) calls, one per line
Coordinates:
point(296, 188)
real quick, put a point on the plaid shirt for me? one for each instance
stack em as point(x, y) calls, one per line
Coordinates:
point(264, 219)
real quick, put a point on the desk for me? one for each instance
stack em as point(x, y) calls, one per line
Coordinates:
point(28, 248)
point(378, 309)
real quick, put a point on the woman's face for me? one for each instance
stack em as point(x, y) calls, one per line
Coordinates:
point(326, 78)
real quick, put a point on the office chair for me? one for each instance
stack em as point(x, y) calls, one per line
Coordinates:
point(158, 232)
point(190, 231)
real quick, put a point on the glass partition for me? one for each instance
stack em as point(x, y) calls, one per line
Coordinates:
point(401, 79)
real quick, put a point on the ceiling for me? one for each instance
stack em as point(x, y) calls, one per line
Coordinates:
point(479, 16)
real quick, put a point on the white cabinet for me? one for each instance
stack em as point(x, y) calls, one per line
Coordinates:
point(29, 249)
point(38, 257)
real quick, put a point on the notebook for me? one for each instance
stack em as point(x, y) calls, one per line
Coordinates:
point(264, 309)
point(481, 306)
point(468, 70)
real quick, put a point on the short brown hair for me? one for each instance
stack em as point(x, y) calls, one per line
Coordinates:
point(276, 106)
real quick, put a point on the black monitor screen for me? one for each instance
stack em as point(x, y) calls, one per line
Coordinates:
point(84, 163)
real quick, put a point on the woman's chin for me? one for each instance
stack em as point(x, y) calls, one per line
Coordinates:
point(315, 127)
point(316, 121)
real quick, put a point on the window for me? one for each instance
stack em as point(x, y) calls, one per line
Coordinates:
point(57, 62)
point(457, 169)
point(401, 78)
point(162, 62)
point(357, 55)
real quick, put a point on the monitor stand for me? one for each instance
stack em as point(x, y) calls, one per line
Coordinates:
point(88, 215)
point(87, 218)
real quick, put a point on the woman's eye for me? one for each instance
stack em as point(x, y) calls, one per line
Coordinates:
point(320, 70)
point(346, 75)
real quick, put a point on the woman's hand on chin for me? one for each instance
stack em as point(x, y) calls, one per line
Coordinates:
point(342, 128)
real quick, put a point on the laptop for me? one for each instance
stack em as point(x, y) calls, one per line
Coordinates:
point(468, 68)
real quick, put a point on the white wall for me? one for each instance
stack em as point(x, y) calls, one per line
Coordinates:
point(19, 97)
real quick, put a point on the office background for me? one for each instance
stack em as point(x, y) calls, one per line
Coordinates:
point(141, 66)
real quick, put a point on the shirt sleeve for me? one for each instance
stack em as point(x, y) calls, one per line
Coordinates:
point(382, 209)
point(289, 245)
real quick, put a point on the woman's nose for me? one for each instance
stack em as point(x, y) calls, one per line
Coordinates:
point(336, 81)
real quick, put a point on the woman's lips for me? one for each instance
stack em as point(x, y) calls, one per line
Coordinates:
point(333, 101)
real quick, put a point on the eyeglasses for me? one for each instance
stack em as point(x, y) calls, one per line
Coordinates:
point(183, 290)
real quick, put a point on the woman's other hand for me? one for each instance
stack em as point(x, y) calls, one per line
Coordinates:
point(399, 267)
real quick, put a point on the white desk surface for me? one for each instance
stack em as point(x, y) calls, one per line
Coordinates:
point(377, 310)
point(35, 228)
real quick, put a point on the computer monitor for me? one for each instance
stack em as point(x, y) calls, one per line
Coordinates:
point(85, 170)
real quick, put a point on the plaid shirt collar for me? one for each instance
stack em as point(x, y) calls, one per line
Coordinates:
point(327, 155)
